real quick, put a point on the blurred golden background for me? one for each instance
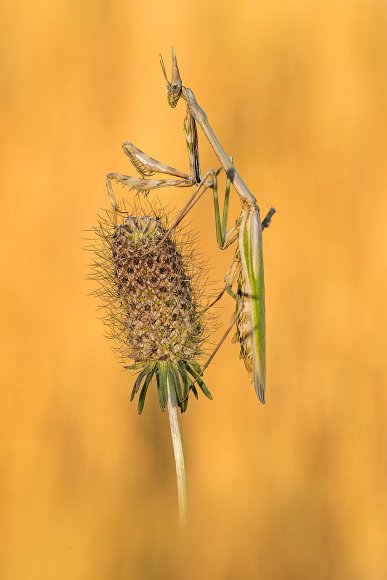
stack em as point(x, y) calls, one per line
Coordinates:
point(296, 91)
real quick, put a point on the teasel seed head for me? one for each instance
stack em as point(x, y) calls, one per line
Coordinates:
point(151, 290)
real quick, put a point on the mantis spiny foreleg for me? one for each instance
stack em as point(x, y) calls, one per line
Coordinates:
point(148, 166)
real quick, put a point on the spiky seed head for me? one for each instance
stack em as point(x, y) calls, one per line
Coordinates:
point(150, 288)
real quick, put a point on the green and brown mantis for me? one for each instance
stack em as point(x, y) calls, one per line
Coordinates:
point(247, 270)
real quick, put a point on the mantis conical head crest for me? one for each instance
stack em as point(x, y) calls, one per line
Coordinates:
point(174, 87)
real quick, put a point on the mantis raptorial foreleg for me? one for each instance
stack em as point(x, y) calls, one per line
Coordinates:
point(148, 166)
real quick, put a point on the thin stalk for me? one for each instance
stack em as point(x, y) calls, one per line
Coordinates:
point(178, 452)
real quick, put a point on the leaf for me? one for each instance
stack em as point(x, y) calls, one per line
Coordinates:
point(175, 382)
point(192, 386)
point(194, 370)
point(162, 387)
point(183, 405)
point(139, 380)
point(141, 399)
point(186, 381)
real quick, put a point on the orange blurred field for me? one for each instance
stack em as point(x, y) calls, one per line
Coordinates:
point(295, 490)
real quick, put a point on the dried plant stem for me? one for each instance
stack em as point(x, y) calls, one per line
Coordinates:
point(179, 455)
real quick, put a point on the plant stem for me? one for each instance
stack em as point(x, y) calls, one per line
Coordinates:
point(178, 452)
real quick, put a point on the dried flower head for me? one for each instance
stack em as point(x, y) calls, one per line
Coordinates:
point(150, 288)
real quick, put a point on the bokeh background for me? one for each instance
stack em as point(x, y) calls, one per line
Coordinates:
point(297, 93)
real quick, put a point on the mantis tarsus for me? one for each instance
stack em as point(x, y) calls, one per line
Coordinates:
point(246, 270)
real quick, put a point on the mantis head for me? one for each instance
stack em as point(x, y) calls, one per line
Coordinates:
point(174, 87)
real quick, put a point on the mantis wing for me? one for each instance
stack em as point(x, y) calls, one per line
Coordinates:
point(250, 245)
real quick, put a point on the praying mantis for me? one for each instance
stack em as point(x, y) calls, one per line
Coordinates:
point(247, 270)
